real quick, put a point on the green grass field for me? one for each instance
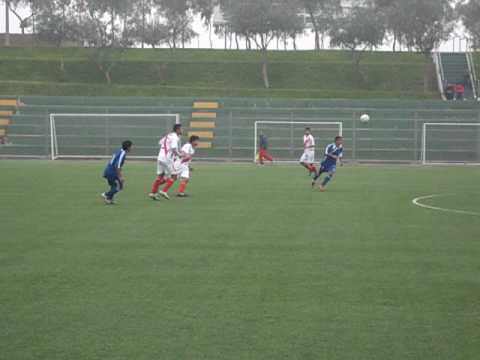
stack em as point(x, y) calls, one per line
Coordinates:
point(255, 265)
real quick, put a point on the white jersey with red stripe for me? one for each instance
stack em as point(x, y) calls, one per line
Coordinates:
point(187, 153)
point(169, 147)
point(182, 165)
point(308, 143)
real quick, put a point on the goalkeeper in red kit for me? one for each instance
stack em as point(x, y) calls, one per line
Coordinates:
point(263, 153)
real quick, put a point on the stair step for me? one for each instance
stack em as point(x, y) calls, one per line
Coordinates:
point(204, 105)
point(202, 134)
point(202, 125)
point(204, 145)
point(8, 102)
point(204, 115)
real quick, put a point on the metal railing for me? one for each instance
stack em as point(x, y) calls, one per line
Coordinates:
point(437, 60)
point(391, 136)
point(473, 75)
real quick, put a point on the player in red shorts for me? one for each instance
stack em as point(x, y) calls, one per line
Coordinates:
point(263, 153)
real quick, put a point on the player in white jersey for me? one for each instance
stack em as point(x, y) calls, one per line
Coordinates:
point(169, 153)
point(182, 165)
point(308, 158)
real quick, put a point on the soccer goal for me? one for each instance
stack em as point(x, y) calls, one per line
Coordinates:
point(451, 143)
point(285, 138)
point(91, 136)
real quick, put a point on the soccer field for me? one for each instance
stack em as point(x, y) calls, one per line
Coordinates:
point(254, 265)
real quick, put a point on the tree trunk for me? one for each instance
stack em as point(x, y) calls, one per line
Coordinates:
point(426, 74)
point(236, 41)
point(266, 81)
point(210, 34)
point(311, 13)
point(112, 24)
point(7, 22)
point(143, 24)
point(105, 72)
point(356, 58)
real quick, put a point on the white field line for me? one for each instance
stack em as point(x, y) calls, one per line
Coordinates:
point(417, 202)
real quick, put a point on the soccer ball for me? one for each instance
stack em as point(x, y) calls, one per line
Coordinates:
point(365, 118)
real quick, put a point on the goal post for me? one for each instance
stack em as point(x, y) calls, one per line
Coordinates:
point(285, 138)
point(451, 143)
point(96, 136)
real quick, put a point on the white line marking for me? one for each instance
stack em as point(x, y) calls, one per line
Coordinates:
point(417, 202)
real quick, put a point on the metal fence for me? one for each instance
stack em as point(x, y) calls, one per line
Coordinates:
point(392, 134)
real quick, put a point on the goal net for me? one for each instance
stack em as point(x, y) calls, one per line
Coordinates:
point(285, 138)
point(99, 135)
point(451, 143)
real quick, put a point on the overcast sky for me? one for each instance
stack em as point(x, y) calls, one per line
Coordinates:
point(305, 42)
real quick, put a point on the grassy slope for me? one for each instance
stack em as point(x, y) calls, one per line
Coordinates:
point(212, 73)
point(253, 266)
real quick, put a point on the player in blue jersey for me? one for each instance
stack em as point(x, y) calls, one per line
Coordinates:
point(113, 172)
point(333, 154)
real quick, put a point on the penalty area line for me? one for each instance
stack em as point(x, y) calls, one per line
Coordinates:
point(417, 202)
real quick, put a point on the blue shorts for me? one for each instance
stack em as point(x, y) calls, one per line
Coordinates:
point(114, 183)
point(329, 168)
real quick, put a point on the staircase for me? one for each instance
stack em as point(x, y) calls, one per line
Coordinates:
point(456, 70)
point(8, 108)
point(203, 122)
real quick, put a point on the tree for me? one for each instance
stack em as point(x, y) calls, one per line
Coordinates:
point(25, 22)
point(156, 33)
point(114, 9)
point(106, 59)
point(56, 23)
point(143, 24)
point(206, 8)
point(426, 24)
point(395, 19)
point(147, 27)
point(261, 21)
point(360, 29)
point(469, 12)
point(178, 19)
point(322, 14)
point(179, 28)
